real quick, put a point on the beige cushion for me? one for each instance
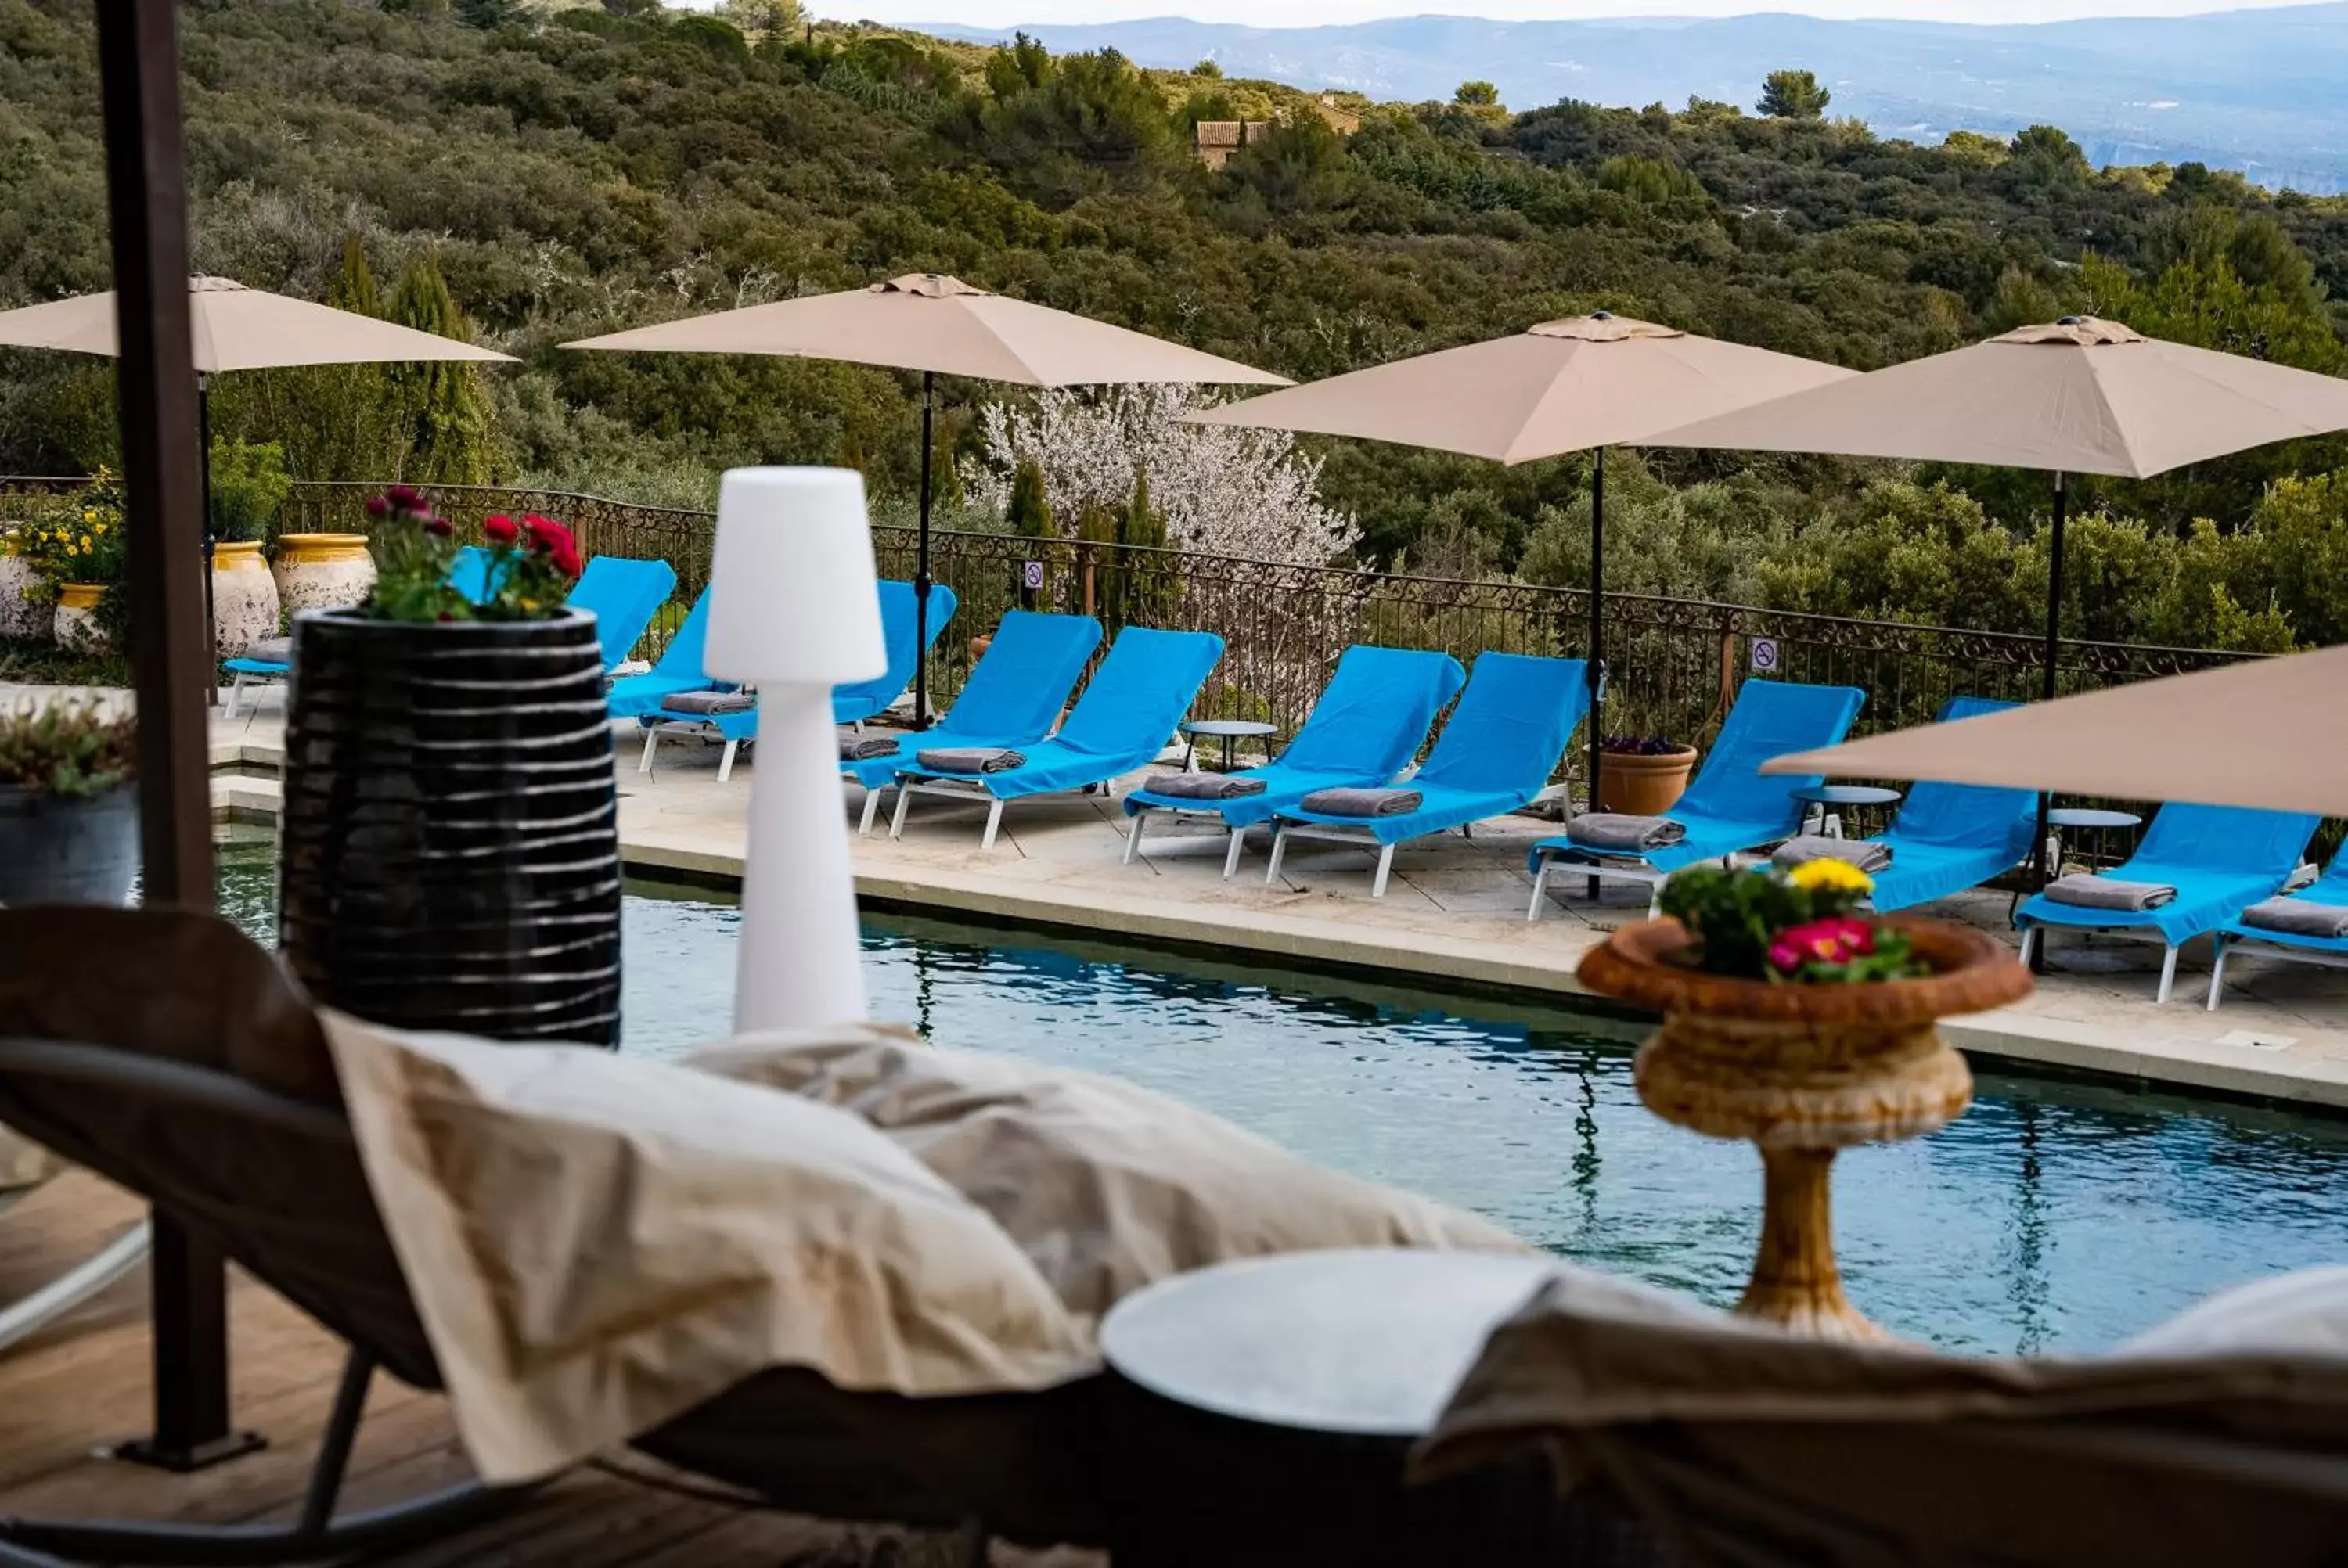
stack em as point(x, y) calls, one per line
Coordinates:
point(597, 1243)
point(1104, 1185)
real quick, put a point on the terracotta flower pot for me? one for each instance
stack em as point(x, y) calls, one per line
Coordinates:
point(23, 618)
point(450, 837)
point(323, 571)
point(978, 647)
point(1639, 785)
point(76, 627)
point(245, 598)
point(1801, 1071)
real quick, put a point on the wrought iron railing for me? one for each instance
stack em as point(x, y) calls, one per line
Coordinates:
point(1674, 663)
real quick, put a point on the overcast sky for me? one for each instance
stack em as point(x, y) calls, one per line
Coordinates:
point(1310, 13)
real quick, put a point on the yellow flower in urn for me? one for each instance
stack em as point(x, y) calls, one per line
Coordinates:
point(1825, 875)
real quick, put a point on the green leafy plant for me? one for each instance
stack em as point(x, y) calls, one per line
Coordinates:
point(69, 749)
point(248, 486)
point(1787, 926)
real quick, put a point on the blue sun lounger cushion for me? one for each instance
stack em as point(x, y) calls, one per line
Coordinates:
point(1731, 805)
point(1947, 837)
point(1014, 695)
point(1368, 726)
point(678, 668)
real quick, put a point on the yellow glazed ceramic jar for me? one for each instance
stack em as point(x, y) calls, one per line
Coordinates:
point(245, 598)
point(323, 571)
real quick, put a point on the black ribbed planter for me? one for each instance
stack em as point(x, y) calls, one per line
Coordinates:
point(450, 840)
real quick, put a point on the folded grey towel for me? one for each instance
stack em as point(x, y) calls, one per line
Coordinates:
point(704, 704)
point(864, 748)
point(971, 759)
point(1364, 802)
point(1201, 786)
point(1615, 831)
point(272, 650)
point(2109, 893)
point(2298, 918)
point(1864, 853)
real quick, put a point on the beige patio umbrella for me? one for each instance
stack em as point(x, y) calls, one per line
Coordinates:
point(2261, 733)
point(2079, 396)
point(939, 326)
point(1583, 384)
point(237, 328)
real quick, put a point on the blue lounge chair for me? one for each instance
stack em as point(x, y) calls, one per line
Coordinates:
point(1014, 695)
point(2222, 859)
point(851, 704)
point(678, 668)
point(624, 594)
point(1947, 837)
point(1495, 755)
point(1731, 805)
point(1368, 726)
point(2327, 952)
point(469, 573)
point(1122, 722)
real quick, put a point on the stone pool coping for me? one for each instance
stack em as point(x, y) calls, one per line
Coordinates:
point(1455, 918)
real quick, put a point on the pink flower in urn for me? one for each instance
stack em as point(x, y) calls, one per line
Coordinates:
point(378, 507)
point(403, 496)
point(1834, 941)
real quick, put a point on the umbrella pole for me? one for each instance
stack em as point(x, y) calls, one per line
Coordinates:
point(922, 571)
point(1594, 671)
point(2043, 871)
point(204, 468)
point(138, 85)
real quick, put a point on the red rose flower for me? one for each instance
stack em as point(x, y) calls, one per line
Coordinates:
point(546, 534)
point(499, 529)
point(438, 527)
point(565, 557)
point(377, 507)
point(401, 496)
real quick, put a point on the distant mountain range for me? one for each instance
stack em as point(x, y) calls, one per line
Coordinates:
point(2265, 91)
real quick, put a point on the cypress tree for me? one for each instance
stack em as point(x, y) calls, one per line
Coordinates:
point(443, 407)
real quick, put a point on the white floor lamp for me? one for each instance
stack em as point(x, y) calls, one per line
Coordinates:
point(795, 610)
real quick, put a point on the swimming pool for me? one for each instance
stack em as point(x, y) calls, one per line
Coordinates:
point(2053, 1216)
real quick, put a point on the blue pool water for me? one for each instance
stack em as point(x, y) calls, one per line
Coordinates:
point(2054, 1217)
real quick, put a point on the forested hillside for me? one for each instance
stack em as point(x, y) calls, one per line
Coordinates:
point(573, 173)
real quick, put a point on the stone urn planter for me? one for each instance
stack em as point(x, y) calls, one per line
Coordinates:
point(450, 835)
point(75, 623)
point(23, 617)
point(1637, 785)
point(323, 571)
point(245, 598)
point(1802, 1071)
point(67, 849)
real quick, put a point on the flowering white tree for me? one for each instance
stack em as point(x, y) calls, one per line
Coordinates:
point(1221, 489)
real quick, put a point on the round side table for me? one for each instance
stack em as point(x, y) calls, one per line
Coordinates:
point(1264, 1409)
point(1825, 798)
point(1227, 731)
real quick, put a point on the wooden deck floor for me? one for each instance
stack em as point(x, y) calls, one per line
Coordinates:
point(84, 1384)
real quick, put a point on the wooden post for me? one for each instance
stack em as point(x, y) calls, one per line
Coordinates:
point(171, 642)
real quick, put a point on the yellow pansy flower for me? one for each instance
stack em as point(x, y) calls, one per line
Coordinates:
point(88, 515)
point(84, 543)
point(1825, 875)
